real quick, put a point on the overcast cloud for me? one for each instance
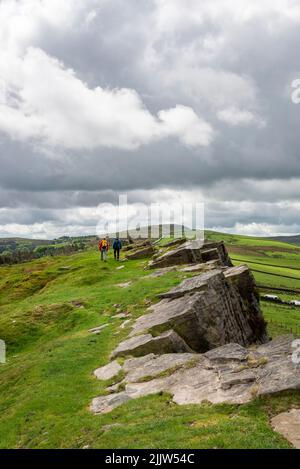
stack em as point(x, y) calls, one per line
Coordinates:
point(159, 99)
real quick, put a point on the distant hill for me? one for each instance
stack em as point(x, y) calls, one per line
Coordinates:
point(286, 239)
point(234, 239)
point(16, 250)
point(14, 244)
point(157, 231)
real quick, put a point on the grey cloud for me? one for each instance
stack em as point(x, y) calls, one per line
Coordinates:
point(240, 165)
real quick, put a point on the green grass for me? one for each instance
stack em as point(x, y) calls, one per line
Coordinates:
point(46, 386)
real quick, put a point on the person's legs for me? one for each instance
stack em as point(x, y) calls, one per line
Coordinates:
point(101, 255)
point(104, 255)
point(115, 254)
point(118, 254)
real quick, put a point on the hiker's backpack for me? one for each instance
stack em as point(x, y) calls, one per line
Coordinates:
point(104, 244)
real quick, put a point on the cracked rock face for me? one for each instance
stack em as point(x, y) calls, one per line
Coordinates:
point(209, 310)
point(229, 374)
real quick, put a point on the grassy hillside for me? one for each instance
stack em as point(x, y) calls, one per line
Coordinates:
point(46, 309)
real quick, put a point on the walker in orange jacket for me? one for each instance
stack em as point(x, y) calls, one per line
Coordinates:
point(103, 246)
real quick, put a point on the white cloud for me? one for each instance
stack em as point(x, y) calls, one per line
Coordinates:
point(185, 123)
point(42, 100)
point(45, 101)
point(234, 116)
point(172, 14)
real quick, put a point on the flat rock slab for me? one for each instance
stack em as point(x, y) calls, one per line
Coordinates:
point(228, 353)
point(288, 425)
point(121, 316)
point(151, 365)
point(105, 404)
point(193, 284)
point(108, 371)
point(167, 342)
point(97, 330)
point(124, 285)
point(229, 374)
point(201, 267)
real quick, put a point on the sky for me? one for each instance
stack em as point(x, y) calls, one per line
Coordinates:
point(161, 100)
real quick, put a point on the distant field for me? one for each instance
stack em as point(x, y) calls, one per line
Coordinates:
point(275, 266)
point(46, 309)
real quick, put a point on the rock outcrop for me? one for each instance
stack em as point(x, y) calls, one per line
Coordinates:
point(190, 252)
point(205, 340)
point(146, 251)
point(208, 310)
point(229, 374)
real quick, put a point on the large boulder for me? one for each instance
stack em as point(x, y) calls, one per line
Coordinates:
point(209, 310)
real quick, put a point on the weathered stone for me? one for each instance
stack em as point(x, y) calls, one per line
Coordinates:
point(180, 315)
point(108, 371)
point(184, 254)
point(224, 375)
point(114, 388)
point(125, 323)
point(227, 353)
point(124, 315)
point(97, 330)
point(147, 251)
point(288, 425)
point(190, 252)
point(232, 379)
point(193, 284)
point(279, 372)
point(242, 282)
point(210, 265)
point(209, 254)
point(280, 347)
point(151, 365)
point(223, 253)
point(124, 285)
point(209, 310)
point(167, 342)
point(105, 404)
point(138, 244)
point(175, 242)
